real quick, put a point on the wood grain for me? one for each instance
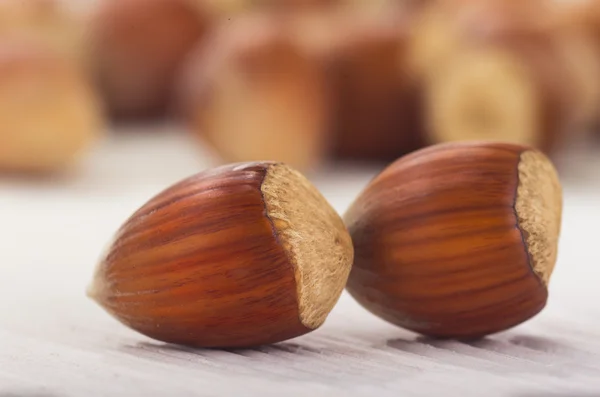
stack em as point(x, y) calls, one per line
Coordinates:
point(437, 242)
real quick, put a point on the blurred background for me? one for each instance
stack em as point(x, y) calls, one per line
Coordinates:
point(314, 83)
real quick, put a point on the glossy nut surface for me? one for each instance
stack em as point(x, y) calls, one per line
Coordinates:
point(457, 240)
point(241, 255)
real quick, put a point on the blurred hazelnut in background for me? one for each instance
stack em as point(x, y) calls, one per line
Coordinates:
point(49, 114)
point(377, 113)
point(252, 93)
point(138, 46)
point(490, 69)
point(314, 81)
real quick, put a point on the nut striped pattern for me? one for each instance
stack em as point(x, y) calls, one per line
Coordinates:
point(438, 245)
point(203, 264)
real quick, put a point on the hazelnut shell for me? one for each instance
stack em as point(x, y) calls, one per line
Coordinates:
point(457, 240)
point(241, 255)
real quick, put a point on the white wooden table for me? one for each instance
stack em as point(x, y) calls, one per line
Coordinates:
point(56, 342)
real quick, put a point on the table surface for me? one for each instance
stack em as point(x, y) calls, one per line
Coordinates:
point(56, 342)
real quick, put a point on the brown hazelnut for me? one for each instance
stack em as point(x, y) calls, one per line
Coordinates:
point(49, 114)
point(138, 47)
point(241, 255)
point(457, 240)
point(375, 112)
point(253, 93)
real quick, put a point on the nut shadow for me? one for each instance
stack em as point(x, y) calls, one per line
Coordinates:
point(418, 341)
point(540, 344)
point(319, 363)
point(529, 349)
point(406, 342)
point(288, 347)
point(490, 343)
point(284, 360)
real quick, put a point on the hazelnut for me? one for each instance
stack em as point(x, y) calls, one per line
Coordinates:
point(377, 115)
point(253, 93)
point(457, 240)
point(49, 113)
point(138, 47)
point(241, 255)
point(490, 72)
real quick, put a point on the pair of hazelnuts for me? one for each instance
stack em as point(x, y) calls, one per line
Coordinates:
point(456, 240)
